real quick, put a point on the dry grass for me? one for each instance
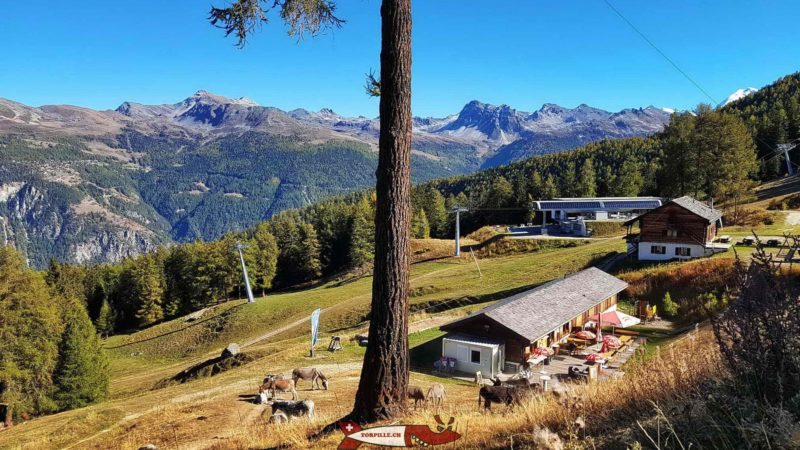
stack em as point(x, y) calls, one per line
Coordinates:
point(483, 234)
point(505, 246)
point(685, 281)
point(210, 415)
point(784, 203)
point(751, 216)
point(610, 409)
point(429, 249)
point(606, 228)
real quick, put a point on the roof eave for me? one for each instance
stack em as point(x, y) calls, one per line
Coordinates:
point(449, 326)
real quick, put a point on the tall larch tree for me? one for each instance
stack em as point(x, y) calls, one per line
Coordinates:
point(105, 320)
point(680, 170)
point(81, 376)
point(536, 186)
point(549, 188)
point(149, 291)
point(629, 180)
point(362, 230)
point(607, 180)
point(569, 182)
point(728, 154)
point(420, 228)
point(308, 252)
point(30, 330)
point(265, 255)
point(436, 211)
point(587, 182)
point(384, 377)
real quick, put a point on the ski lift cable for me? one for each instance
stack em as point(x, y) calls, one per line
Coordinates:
point(671, 62)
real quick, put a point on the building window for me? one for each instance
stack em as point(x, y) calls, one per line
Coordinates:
point(658, 249)
point(475, 357)
point(672, 233)
point(683, 251)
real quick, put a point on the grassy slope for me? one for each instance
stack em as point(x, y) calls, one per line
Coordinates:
point(136, 415)
point(451, 280)
point(208, 413)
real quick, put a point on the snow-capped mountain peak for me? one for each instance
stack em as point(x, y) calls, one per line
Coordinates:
point(739, 94)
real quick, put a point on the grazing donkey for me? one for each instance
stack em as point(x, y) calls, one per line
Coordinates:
point(278, 384)
point(504, 395)
point(310, 374)
point(292, 409)
point(436, 394)
point(417, 394)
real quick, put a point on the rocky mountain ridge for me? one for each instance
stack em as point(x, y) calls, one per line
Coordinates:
point(91, 186)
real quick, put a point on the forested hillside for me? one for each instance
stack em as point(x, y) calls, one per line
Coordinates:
point(707, 154)
point(50, 359)
point(773, 116)
point(92, 186)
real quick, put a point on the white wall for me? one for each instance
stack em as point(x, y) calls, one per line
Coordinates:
point(645, 254)
point(450, 349)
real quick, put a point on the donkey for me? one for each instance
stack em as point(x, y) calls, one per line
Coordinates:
point(273, 385)
point(417, 394)
point(310, 374)
point(436, 394)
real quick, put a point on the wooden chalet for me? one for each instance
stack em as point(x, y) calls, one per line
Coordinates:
point(503, 336)
point(682, 228)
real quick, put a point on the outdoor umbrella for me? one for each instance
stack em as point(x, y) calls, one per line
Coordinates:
point(542, 351)
point(617, 319)
point(611, 341)
point(588, 335)
point(593, 357)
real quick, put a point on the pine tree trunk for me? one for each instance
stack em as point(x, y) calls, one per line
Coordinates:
point(384, 376)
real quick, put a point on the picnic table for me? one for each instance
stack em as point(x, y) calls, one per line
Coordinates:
point(536, 360)
point(579, 345)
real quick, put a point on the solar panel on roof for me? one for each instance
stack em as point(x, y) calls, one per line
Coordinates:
point(570, 205)
point(599, 205)
point(632, 204)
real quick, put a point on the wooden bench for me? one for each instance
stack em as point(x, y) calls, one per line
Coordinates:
point(623, 332)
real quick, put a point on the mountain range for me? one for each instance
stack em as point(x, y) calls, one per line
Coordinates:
point(83, 185)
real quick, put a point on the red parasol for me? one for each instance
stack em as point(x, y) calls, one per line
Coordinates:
point(588, 335)
point(612, 341)
point(542, 351)
point(593, 357)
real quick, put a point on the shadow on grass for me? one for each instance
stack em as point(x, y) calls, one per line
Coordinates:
point(222, 316)
point(208, 368)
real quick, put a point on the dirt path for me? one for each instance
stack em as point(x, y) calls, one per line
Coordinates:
point(607, 264)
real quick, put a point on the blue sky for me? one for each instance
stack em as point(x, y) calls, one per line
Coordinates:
point(99, 53)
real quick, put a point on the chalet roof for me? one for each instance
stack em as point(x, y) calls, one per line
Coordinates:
point(699, 208)
point(535, 313)
point(692, 205)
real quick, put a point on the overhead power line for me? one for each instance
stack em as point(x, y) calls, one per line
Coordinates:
point(686, 75)
point(660, 52)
